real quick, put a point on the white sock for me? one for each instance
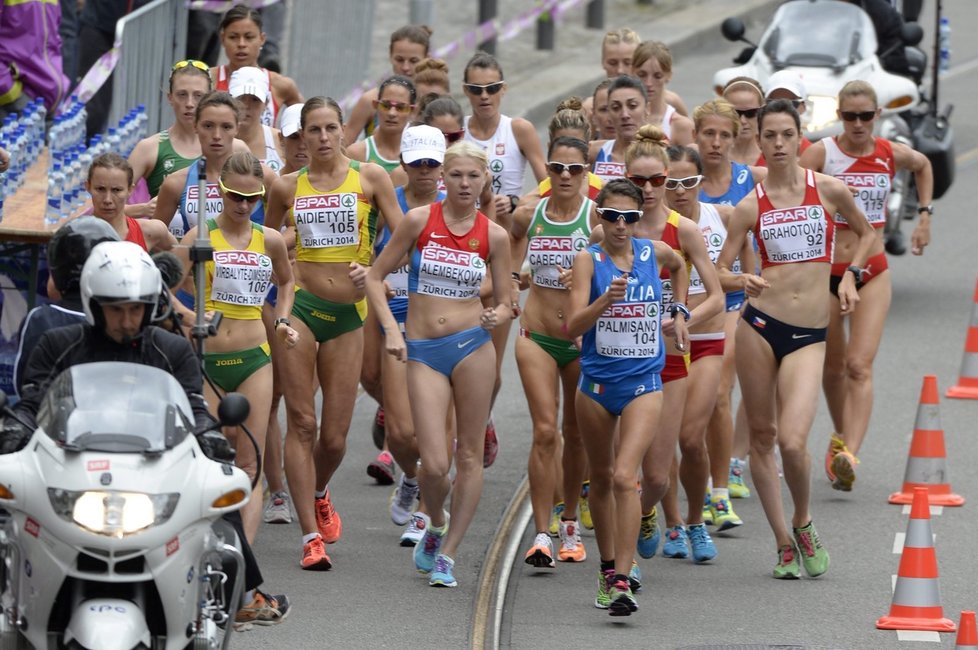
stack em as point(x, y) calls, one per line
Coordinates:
point(410, 481)
point(322, 493)
point(719, 493)
point(308, 538)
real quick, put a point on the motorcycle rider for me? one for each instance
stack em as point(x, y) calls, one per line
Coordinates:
point(888, 24)
point(122, 292)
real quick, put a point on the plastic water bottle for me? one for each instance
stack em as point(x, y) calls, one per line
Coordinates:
point(142, 121)
point(945, 44)
point(52, 213)
point(112, 139)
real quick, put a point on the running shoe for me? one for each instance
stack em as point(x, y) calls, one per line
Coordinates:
point(723, 515)
point(442, 575)
point(787, 567)
point(702, 544)
point(278, 510)
point(491, 445)
point(622, 601)
point(381, 468)
point(262, 610)
point(427, 549)
point(584, 508)
point(649, 535)
point(635, 577)
point(415, 530)
point(836, 444)
point(558, 510)
point(707, 513)
point(844, 468)
point(378, 430)
point(677, 543)
point(605, 578)
point(814, 557)
point(314, 556)
point(735, 483)
point(571, 546)
point(328, 520)
point(402, 501)
point(541, 554)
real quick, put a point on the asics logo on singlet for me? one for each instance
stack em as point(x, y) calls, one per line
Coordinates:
point(742, 176)
point(645, 254)
point(464, 343)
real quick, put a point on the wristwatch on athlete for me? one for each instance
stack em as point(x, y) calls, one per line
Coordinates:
point(679, 308)
point(281, 321)
point(514, 200)
point(856, 272)
point(929, 209)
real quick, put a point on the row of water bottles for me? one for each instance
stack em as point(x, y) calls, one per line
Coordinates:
point(23, 138)
point(70, 159)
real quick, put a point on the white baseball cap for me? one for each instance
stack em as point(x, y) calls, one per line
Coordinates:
point(290, 119)
point(422, 142)
point(787, 80)
point(249, 81)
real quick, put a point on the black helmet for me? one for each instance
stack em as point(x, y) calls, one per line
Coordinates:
point(70, 247)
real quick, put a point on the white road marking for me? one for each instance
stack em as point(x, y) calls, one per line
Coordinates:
point(915, 635)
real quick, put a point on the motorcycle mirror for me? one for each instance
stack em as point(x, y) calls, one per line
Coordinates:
point(233, 409)
point(911, 33)
point(733, 29)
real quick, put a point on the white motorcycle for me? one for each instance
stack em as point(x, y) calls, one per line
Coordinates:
point(110, 519)
point(829, 43)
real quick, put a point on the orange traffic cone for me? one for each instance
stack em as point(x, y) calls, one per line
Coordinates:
point(917, 597)
point(967, 633)
point(927, 460)
point(967, 386)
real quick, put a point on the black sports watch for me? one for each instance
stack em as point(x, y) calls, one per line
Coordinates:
point(679, 308)
point(281, 321)
point(929, 209)
point(856, 272)
point(514, 200)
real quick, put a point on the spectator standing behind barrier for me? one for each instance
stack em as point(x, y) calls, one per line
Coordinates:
point(30, 55)
point(95, 37)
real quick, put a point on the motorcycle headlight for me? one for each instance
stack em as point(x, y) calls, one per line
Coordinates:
point(113, 514)
point(823, 112)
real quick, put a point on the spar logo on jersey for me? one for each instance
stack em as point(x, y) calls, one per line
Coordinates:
point(792, 215)
point(626, 311)
point(451, 256)
point(715, 240)
point(324, 202)
point(865, 180)
point(554, 245)
point(241, 258)
point(609, 168)
point(212, 192)
point(496, 166)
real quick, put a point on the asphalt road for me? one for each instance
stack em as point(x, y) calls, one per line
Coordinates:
point(373, 598)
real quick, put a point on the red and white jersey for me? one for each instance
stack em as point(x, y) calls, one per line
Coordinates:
point(801, 233)
point(870, 175)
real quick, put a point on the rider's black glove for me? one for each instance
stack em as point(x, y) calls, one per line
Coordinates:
point(215, 446)
point(13, 436)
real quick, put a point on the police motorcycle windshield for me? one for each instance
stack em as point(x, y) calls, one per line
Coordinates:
point(116, 407)
point(819, 34)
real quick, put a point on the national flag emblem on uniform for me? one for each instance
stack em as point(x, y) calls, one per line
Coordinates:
point(597, 389)
point(758, 322)
point(598, 256)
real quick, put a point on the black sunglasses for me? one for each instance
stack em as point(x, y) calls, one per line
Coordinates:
point(863, 116)
point(613, 215)
point(574, 169)
point(476, 89)
point(424, 162)
point(657, 181)
point(749, 113)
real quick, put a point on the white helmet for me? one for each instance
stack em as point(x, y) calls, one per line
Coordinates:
point(119, 272)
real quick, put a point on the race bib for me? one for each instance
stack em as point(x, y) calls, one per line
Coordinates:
point(608, 170)
point(872, 191)
point(450, 273)
point(213, 205)
point(241, 278)
point(398, 281)
point(629, 330)
point(545, 254)
point(794, 234)
point(327, 220)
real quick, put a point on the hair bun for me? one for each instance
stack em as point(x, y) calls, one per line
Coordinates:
point(572, 103)
point(652, 133)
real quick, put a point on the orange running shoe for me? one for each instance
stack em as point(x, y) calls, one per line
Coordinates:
point(844, 468)
point(541, 554)
point(571, 546)
point(328, 520)
point(314, 556)
point(836, 444)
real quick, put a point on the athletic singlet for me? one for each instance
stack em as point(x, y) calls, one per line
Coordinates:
point(552, 243)
point(741, 183)
point(270, 114)
point(446, 265)
point(135, 233)
point(272, 159)
point(186, 216)
point(374, 156)
point(398, 278)
point(870, 175)
point(627, 339)
point(666, 123)
point(714, 234)
point(594, 186)
point(506, 161)
point(338, 225)
point(670, 236)
point(802, 233)
point(167, 162)
point(238, 280)
point(604, 167)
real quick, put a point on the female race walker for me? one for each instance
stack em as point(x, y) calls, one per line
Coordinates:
point(867, 164)
point(237, 284)
point(110, 184)
point(628, 106)
point(250, 87)
point(242, 38)
point(547, 357)
point(780, 348)
point(746, 97)
point(395, 103)
point(652, 65)
point(615, 303)
point(450, 245)
point(333, 205)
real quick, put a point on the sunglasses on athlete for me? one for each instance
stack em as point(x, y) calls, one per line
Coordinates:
point(613, 215)
point(401, 107)
point(687, 183)
point(749, 113)
point(238, 197)
point(424, 162)
point(574, 169)
point(862, 116)
point(657, 180)
point(490, 89)
point(451, 137)
point(179, 65)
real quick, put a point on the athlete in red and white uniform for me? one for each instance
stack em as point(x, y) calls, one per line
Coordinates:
point(780, 349)
point(867, 165)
